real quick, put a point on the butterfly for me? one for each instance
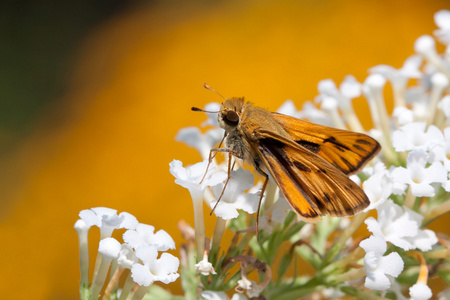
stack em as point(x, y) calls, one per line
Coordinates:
point(310, 163)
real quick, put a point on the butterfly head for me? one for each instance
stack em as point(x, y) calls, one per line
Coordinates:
point(230, 113)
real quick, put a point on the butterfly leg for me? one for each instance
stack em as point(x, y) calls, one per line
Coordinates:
point(211, 156)
point(231, 153)
point(263, 189)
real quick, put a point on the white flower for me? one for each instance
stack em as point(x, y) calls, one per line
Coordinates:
point(444, 105)
point(204, 267)
point(107, 219)
point(311, 112)
point(280, 209)
point(399, 77)
point(349, 89)
point(202, 142)
point(109, 248)
point(127, 257)
point(288, 108)
point(379, 266)
point(234, 197)
point(251, 287)
point(401, 227)
point(332, 293)
point(426, 46)
point(413, 136)
point(441, 152)
point(191, 176)
point(420, 291)
point(215, 295)
point(144, 235)
point(378, 187)
point(152, 269)
point(418, 176)
point(442, 20)
point(212, 118)
point(403, 115)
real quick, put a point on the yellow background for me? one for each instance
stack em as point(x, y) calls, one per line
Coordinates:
point(109, 141)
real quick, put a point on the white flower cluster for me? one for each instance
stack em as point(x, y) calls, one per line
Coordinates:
point(417, 135)
point(414, 162)
point(138, 252)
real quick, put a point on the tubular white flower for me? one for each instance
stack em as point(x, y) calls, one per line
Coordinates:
point(83, 230)
point(401, 227)
point(426, 46)
point(251, 287)
point(441, 152)
point(288, 108)
point(204, 267)
point(442, 20)
point(152, 269)
point(107, 220)
point(416, 136)
point(350, 88)
point(190, 178)
point(439, 82)
point(202, 142)
point(109, 248)
point(399, 77)
point(144, 235)
point(234, 196)
point(418, 176)
point(444, 105)
point(420, 291)
point(373, 90)
point(331, 98)
point(403, 115)
point(214, 295)
point(311, 112)
point(212, 118)
point(379, 266)
point(330, 105)
point(379, 186)
point(127, 256)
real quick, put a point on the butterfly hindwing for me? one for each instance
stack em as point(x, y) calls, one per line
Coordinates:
point(312, 186)
point(346, 150)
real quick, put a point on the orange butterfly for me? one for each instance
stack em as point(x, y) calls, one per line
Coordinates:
point(310, 163)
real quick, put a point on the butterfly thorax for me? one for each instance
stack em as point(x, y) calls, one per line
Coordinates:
point(241, 122)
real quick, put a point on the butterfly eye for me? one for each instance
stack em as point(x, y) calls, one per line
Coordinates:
point(231, 118)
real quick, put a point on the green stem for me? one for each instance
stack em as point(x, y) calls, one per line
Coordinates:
point(140, 292)
point(129, 283)
point(217, 237)
point(410, 199)
point(99, 279)
point(351, 275)
point(199, 227)
point(355, 224)
point(352, 257)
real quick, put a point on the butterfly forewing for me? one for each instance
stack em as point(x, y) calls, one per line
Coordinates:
point(319, 188)
point(346, 150)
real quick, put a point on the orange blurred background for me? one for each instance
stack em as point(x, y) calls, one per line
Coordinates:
point(108, 140)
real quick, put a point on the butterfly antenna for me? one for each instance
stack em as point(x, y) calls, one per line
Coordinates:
point(206, 86)
point(202, 110)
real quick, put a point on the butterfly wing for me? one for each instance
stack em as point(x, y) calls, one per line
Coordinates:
point(346, 150)
point(312, 185)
